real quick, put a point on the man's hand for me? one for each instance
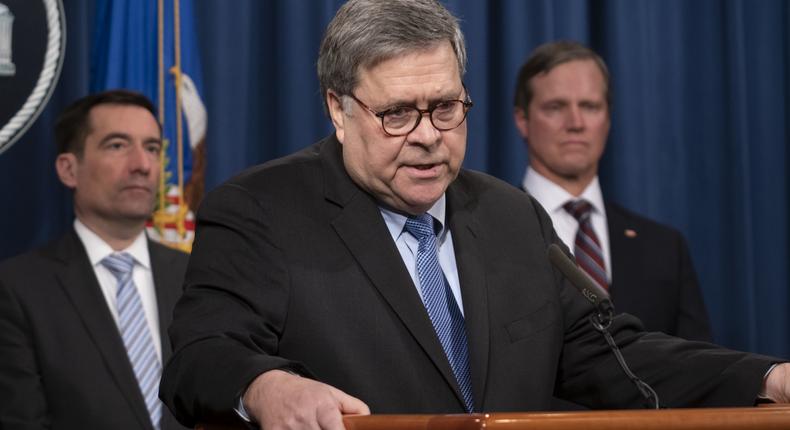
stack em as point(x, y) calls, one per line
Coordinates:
point(777, 384)
point(278, 400)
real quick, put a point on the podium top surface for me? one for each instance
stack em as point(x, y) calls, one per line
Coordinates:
point(764, 418)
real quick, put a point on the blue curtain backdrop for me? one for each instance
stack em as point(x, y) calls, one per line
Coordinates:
point(699, 137)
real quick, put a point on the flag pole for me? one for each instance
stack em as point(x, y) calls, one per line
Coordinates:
point(179, 120)
point(161, 112)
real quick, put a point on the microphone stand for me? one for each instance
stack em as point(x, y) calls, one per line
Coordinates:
point(601, 320)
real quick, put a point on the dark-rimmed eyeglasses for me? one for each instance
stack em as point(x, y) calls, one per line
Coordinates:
point(402, 120)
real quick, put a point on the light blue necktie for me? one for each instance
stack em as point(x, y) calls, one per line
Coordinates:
point(135, 333)
point(440, 303)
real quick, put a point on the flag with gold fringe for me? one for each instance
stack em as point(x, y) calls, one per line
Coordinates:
point(151, 46)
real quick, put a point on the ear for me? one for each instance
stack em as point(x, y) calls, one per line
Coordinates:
point(522, 122)
point(66, 167)
point(335, 105)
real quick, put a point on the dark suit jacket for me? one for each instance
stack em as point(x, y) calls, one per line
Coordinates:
point(653, 277)
point(293, 267)
point(63, 364)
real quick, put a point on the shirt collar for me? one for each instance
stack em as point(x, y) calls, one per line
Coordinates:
point(98, 249)
point(396, 221)
point(552, 196)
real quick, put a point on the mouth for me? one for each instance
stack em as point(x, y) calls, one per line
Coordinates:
point(425, 170)
point(138, 189)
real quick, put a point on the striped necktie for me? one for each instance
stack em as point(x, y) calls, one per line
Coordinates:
point(587, 247)
point(446, 317)
point(135, 333)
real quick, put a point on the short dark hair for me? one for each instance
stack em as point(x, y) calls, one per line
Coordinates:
point(73, 124)
point(548, 56)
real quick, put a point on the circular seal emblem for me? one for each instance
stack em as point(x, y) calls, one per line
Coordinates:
point(32, 43)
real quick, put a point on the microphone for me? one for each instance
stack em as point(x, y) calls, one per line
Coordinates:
point(589, 289)
point(602, 318)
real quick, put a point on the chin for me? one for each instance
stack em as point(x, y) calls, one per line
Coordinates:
point(424, 202)
point(419, 195)
point(571, 169)
point(137, 213)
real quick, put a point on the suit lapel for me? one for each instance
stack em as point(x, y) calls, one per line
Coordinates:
point(165, 283)
point(78, 280)
point(471, 273)
point(363, 230)
point(621, 249)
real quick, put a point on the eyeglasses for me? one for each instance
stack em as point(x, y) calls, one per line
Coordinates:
point(402, 120)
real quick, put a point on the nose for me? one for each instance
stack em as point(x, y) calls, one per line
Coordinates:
point(140, 159)
point(575, 119)
point(425, 134)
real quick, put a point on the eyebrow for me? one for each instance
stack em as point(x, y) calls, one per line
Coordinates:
point(124, 136)
point(432, 101)
point(115, 135)
point(567, 101)
point(555, 100)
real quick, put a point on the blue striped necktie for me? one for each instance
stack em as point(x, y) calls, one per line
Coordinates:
point(135, 333)
point(446, 317)
point(587, 247)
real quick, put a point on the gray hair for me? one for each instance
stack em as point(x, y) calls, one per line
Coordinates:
point(364, 33)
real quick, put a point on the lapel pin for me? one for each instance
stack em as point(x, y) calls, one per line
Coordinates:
point(630, 233)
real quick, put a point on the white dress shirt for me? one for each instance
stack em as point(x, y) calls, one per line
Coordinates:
point(408, 244)
point(97, 250)
point(552, 197)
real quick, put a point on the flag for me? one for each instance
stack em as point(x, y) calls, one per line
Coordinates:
point(150, 46)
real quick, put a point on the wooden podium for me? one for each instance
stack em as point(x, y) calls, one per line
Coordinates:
point(772, 417)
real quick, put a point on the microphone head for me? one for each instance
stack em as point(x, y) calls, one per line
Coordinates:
point(589, 289)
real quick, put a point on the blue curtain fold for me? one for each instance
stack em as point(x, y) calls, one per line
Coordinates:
point(699, 140)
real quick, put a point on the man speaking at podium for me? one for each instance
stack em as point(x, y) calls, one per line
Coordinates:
point(370, 273)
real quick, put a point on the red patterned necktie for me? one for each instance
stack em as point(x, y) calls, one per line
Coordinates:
point(587, 248)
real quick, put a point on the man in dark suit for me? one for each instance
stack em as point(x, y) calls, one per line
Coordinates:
point(562, 111)
point(71, 311)
point(370, 273)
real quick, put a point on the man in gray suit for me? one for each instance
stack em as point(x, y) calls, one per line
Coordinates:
point(82, 320)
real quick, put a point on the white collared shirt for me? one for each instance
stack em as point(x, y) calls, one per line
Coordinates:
point(97, 250)
point(552, 197)
point(408, 244)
